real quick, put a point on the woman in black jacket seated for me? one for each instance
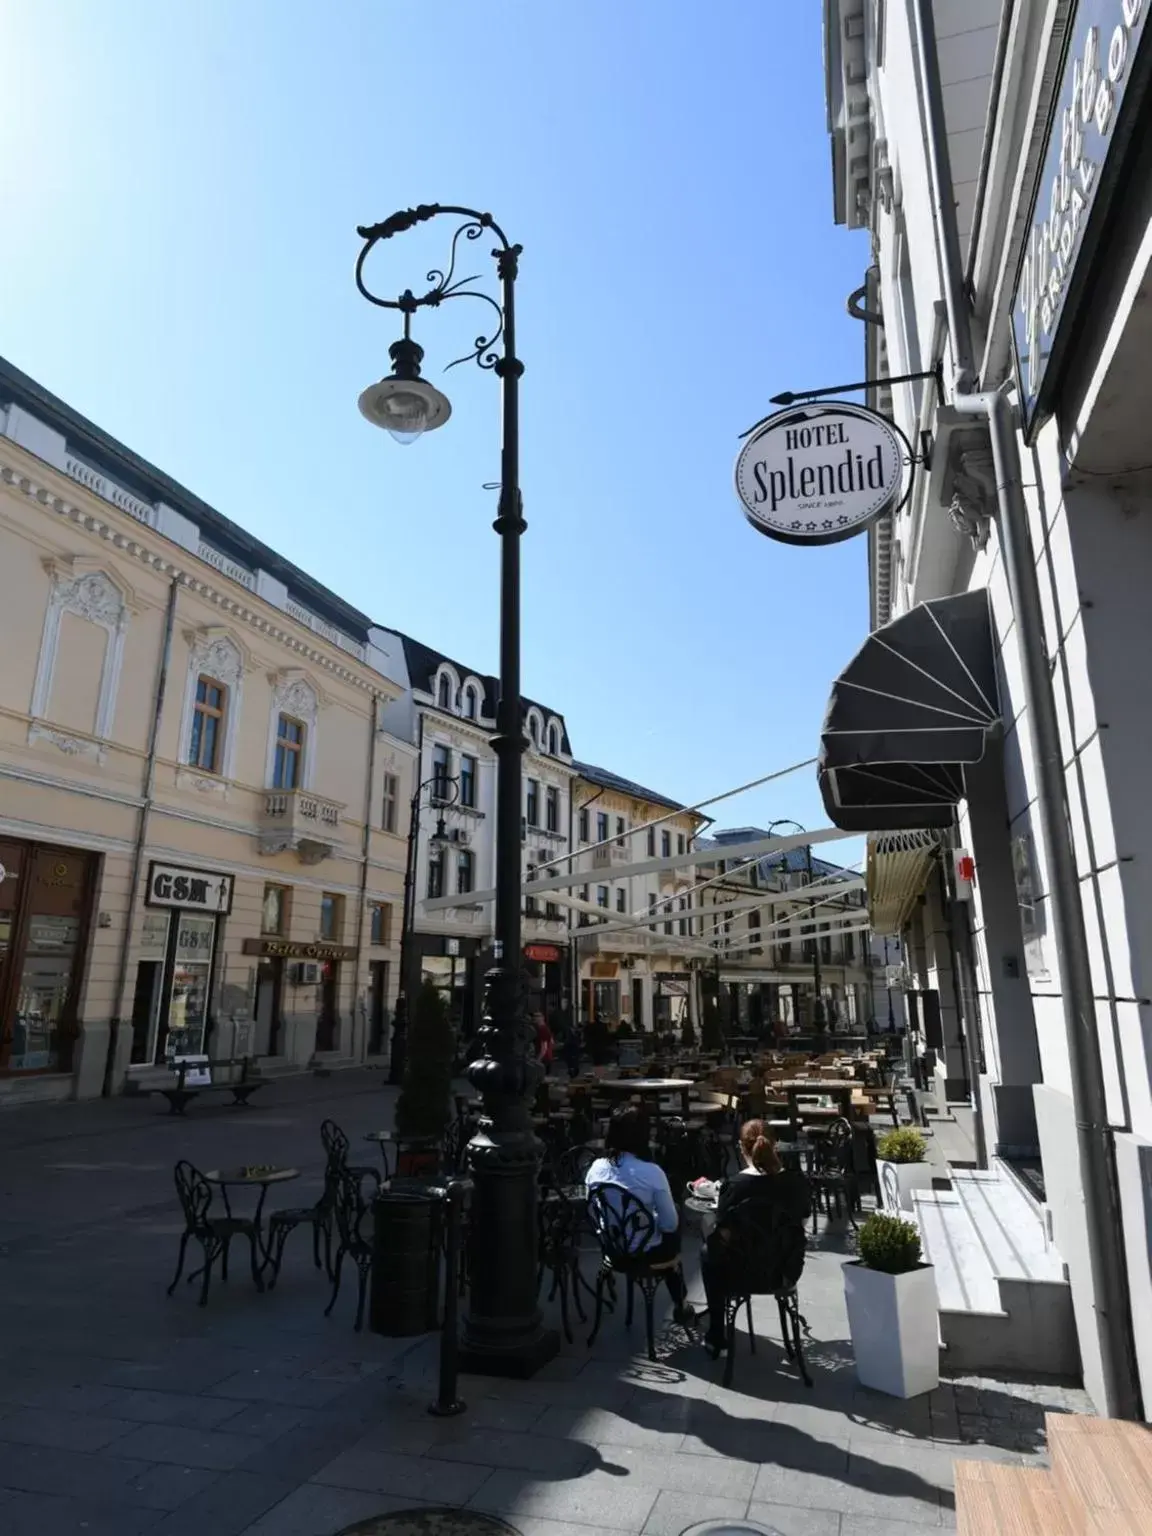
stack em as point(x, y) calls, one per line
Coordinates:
point(777, 1200)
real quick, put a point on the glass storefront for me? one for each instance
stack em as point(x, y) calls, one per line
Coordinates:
point(45, 910)
point(191, 978)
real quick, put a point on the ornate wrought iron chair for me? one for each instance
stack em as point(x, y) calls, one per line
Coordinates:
point(282, 1223)
point(213, 1233)
point(351, 1209)
point(764, 1256)
point(833, 1177)
point(626, 1228)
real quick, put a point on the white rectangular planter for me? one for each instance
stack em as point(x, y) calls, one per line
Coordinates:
point(895, 1328)
point(896, 1182)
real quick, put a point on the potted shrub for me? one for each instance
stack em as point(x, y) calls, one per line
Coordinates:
point(406, 1260)
point(892, 1309)
point(901, 1167)
point(425, 1103)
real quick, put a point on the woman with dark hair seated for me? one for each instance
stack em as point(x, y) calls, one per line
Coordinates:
point(767, 1193)
point(627, 1163)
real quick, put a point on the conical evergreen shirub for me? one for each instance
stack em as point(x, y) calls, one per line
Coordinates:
point(425, 1103)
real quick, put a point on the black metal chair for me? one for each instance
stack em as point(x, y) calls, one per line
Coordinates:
point(833, 1177)
point(764, 1256)
point(350, 1210)
point(213, 1233)
point(626, 1228)
point(337, 1147)
point(560, 1219)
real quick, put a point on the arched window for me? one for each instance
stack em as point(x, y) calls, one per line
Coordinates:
point(553, 741)
point(470, 702)
point(444, 694)
point(534, 730)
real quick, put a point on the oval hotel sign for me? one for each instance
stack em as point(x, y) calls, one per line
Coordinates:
point(816, 474)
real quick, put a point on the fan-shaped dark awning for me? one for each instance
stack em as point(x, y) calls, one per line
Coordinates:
point(915, 704)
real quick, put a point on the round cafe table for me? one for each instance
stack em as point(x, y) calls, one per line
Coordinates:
point(259, 1176)
point(649, 1088)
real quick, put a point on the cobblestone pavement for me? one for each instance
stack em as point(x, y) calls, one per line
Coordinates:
point(122, 1411)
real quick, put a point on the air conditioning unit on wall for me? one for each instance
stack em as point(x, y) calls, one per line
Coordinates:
point(305, 973)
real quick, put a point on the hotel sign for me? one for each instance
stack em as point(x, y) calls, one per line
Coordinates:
point(819, 473)
point(1099, 64)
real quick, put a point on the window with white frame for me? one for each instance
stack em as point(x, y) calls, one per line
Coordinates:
point(293, 736)
point(209, 730)
point(209, 711)
point(441, 771)
point(444, 691)
point(467, 780)
point(390, 800)
point(553, 741)
point(470, 702)
point(83, 597)
point(552, 808)
point(288, 765)
point(465, 872)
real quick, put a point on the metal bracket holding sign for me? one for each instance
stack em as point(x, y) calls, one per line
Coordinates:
point(821, 472)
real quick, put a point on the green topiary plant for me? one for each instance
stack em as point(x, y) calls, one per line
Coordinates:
point(889, 1244)
point(904, 1145)
point(425, 1101)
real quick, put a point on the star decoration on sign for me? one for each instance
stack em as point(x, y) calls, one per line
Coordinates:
point(795, 526)
point(827, 522)
point(811, 527)
point(841, 520)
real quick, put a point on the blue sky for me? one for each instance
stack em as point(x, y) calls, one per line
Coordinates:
point(182, 185)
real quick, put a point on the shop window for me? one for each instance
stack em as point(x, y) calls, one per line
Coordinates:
point(288, 770)
point(441, 772)
point(532, 803)
point(274, 910)
point(389, 802)
point(465, 872)
point(205, 750)
point(381, 924)
point(331, 918)
point(435, 874)
point(467, 780)
point(191, 974)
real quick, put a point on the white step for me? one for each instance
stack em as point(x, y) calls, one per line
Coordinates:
point(1003, 1290)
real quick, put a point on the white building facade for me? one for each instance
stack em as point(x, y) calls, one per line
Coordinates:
point(449, 714)
point(998, 156)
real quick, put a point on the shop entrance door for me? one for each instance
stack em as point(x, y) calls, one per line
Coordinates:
point(377, 1005)
point(328, 1024)
point(269, 988)
point(45, 906)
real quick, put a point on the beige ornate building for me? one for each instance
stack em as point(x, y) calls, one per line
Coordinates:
point(202, 823)
point(633, 942)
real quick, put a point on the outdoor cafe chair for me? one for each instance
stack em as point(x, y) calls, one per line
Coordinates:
point(625, 1228)
point(833, 1176)
point(351, 1208)
point(763, 1259)
point(213, 1233)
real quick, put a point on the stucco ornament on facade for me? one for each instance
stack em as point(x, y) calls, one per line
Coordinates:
point(92, 595)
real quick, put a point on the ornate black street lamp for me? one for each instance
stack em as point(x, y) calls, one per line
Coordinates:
point(818, 1020)
point(503, 1331)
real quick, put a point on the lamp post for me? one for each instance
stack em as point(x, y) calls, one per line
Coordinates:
point(503, 1330)
point(818, 1020)
point(408, 917)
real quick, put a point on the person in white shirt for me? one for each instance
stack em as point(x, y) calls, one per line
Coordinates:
point(627, 1163)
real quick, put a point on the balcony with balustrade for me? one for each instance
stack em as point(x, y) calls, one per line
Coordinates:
point(298, 821)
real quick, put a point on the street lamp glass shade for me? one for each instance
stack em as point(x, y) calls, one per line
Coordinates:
point(405, 408)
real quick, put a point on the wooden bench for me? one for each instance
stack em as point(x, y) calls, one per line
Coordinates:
point(241, 1088)
point(1100, 1484)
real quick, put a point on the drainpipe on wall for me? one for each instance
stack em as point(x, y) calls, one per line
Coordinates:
point(149, 790)
point(1104, 1230)
point(360, 995)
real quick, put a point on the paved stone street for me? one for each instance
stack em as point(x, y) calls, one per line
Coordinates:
point(122, 1411)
